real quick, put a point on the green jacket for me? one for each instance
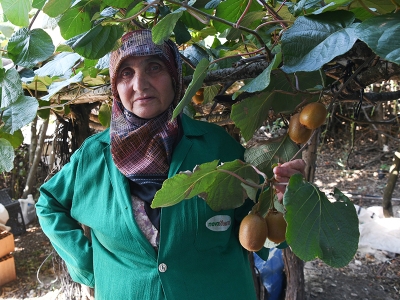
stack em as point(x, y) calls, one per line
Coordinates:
point(194, 260)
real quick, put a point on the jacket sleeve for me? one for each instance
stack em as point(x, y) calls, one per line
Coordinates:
point(65, 233)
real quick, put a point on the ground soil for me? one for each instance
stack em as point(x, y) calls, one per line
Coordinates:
point(368, 276)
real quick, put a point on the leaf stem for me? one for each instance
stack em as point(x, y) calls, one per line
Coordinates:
point(249, 183)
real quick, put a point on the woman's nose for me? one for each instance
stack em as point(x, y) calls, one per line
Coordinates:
point(140, 81)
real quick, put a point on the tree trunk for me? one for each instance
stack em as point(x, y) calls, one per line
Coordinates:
point(30, 181)
point(294, 276)
point(294, 266)
point(387, 193)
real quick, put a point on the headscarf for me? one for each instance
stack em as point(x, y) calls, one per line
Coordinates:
point(141, 148)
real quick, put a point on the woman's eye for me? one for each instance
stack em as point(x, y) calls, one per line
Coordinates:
point(154, 67)
point(126, 73)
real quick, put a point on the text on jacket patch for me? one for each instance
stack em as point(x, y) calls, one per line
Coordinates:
point(219, 223)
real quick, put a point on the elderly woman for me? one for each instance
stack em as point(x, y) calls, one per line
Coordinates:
point(137, 252)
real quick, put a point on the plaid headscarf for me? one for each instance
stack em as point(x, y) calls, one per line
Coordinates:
point(142, 149)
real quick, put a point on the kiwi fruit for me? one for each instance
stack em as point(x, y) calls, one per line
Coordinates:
point(276, 226)
point(298, 133)
point(313, 115)
point(253, 232)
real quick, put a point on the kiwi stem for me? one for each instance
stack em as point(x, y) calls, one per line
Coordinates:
point(305, 145)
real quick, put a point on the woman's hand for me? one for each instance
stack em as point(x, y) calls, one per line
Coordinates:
point(282, 174)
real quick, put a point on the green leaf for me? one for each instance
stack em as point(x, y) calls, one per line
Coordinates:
point(16, 139)
point(38, 4)
point(192, 22)
point(262, 81)
point(43, 113)
point(17, 11)
point(265, 200)
point(232, 10)
point(197, 80)
point(318, 227)
point(30, 47)
point(315, 40)
point(55, 87)
point(381, 34)
point(250, 113)
point(182, 34)
point(331, 5)
point(264, 155)
point(96, 42)
point(105, 115)
point(206, 181)
point(162, 31)
point(6, 156)
point(20, 113)
point(210, 92)
point(7, 29)
point(74, 22)
point(118, 3)
point(250, 20)
point(54, 8)
point(380, 6)
point(60, 65)
point(10, 87)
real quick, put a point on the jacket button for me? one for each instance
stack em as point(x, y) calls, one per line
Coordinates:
point(162, 267)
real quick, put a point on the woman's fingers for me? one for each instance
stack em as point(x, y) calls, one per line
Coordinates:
point(283, 172)
point(288, 169)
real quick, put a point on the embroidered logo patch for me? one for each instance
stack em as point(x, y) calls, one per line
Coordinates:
point(219, 223)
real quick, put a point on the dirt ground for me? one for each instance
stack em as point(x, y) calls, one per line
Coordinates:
point(370, 275)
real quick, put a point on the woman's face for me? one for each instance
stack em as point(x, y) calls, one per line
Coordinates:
point(144, 86)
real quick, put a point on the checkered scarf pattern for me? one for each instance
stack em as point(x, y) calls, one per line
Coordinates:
point(142, 149)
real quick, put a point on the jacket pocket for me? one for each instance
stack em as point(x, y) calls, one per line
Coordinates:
point(214, 229)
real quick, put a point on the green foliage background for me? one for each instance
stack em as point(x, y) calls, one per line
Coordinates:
point(295, 38)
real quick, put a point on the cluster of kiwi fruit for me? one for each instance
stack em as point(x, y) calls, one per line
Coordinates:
point(255, 229)
point(302, 124)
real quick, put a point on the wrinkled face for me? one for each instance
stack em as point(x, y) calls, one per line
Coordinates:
point(144, 86)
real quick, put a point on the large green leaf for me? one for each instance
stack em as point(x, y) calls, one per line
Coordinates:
point(250, 113)
point(118, 3)
point(55, 87)
point(198, 77)
point(315, 40)
point(206, 181)
point(318, 227)
point(30, 47)
point(74, 22)
point(17, 11)
point(11, 87)
point(20, 113)
point(6, 156)
point(381, 34)
point(96, 42)
point(380, 6)
point(16, 139)
point(232, 10)
point(162, 31)
point(54, 8)
point(262, 81)
point(38, 4)
point(264, 155)
point(59, 66)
